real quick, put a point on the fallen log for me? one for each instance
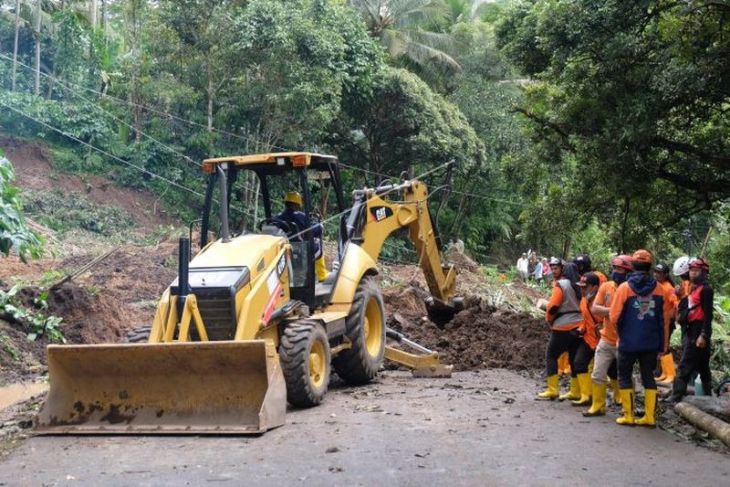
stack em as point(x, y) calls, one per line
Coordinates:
point(716, 427)
point(715, 406)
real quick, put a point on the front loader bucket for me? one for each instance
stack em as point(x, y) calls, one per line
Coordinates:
point(231, 387)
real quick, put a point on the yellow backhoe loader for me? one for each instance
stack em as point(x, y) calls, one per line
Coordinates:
point(247, 327)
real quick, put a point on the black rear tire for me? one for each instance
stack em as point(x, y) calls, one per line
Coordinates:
point(365, 327)
point(305, 359)
point(139, 335)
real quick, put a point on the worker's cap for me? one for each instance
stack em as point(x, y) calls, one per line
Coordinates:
point(555, 261)
point(293, 197)
point(663, 268)
point(589, 279)
point(641, 256)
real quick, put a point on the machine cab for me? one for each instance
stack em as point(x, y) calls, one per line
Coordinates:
point(256, 187)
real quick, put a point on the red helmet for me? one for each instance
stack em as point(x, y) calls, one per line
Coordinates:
point(699, 263)
point(622, 261)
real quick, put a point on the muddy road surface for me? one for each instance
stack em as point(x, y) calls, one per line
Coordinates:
point(477, 428)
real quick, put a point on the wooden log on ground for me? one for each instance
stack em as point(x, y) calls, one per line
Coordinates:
point(716, 427)
point(716, 406)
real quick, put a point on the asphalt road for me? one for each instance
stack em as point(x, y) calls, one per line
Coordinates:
point(477, 428)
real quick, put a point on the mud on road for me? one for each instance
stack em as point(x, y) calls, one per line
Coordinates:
point(476, 428)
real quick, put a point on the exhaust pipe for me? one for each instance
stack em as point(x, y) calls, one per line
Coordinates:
point(225, 234)
point(183, 273)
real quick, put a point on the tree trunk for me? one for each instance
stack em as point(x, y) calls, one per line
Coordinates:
point(15, 44)
point(625, 223)
point(211, 95)
point(716, 427)
point(38, 48)
point(93, 11)
point(566, 247)
point(717, 406)
point(103, 21)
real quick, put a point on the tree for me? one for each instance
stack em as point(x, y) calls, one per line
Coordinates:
point(14, 232)
point(398, 24)
point(627, 106)
point(404, 126)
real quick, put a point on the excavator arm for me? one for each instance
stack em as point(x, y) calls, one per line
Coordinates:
point(374, 217)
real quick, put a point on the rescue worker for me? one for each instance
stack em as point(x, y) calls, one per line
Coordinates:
point(583, 262)
point(590, 283)
point(563, 315)
point(604, 363)
point(695, 316)
point(293, 214)
point(641, 310)
point(668, 370)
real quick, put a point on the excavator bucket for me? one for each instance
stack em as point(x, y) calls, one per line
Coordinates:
point(441, 312)
point(231, 387)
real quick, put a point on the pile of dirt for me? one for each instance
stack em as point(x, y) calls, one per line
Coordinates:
point(478, 336)
point(87, 317)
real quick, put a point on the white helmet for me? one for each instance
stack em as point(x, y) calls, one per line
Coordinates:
point(681, 266)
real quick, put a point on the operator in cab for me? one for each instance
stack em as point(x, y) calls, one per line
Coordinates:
point(293, 214)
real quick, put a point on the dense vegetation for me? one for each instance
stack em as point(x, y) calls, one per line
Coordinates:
point(576, 126)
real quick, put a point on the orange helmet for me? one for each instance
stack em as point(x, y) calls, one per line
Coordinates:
point(642, 256)
point(622, 261)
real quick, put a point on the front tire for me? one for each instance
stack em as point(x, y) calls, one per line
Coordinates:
point(365, 327)
point(305, 359)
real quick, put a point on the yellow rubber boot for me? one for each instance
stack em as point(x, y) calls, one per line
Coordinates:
point(574, 391)
point(584, 383)
point(320, 268)
point(649, 418)
point(598, 407)
point(552, 391)
point(627, 403)
point(616, 392)
point(669, 370)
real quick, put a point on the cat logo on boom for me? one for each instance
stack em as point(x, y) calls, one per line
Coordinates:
point(380, 213)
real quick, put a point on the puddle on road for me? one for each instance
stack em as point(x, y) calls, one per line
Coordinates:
point(19, 392)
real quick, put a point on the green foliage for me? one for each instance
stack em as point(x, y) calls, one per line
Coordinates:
point(626, 109)
point(405, 125)
point(37, 320)
point(14, 233)
point(62, 212)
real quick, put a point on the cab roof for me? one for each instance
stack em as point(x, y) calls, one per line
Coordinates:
point(292, 159)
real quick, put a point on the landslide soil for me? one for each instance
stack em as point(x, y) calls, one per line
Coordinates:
point(101, 304)
point(479, 336)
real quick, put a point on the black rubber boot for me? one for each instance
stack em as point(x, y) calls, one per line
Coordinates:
point(679, 390)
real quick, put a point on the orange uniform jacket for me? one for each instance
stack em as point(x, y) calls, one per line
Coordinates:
point(604, 297)
point(588, 327)
point(672, 296)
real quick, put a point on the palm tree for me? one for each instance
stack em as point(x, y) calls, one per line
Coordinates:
point(398, 25)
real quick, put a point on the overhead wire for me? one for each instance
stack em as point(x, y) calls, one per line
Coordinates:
point(247, 138)
point(109, 154)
